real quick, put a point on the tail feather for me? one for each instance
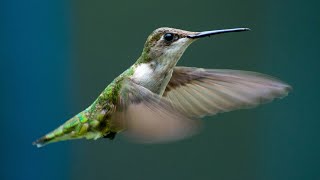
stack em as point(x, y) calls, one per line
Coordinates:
point(75, 128)
point(41, 142)
point(58, 134)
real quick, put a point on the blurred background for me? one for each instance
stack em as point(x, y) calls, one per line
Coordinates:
point(57, 56)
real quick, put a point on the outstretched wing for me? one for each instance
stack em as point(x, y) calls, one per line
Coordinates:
point(198, 92)
point(149, 118)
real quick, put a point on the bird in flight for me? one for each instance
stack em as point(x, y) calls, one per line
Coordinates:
point(155, 101)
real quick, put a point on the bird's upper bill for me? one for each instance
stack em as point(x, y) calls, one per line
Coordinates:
point(214, 32)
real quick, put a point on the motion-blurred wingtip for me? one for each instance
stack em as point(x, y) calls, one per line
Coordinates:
point(287, 89)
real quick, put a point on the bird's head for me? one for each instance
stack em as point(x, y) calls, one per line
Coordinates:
point(168, 44)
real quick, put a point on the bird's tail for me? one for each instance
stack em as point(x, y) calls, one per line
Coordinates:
point(75, 128)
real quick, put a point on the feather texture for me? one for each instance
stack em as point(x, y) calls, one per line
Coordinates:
point(148, 118)
point(198, 92)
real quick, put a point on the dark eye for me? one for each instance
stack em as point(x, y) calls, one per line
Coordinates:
point(168, 36)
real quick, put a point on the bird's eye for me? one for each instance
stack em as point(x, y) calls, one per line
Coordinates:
point(168, 36)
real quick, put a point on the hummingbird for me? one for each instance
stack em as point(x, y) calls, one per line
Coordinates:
point(155, 101)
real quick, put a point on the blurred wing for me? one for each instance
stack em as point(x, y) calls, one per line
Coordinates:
point(198, 92)
point(149, 118)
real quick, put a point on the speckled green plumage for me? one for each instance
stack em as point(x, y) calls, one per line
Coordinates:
point(93, 122)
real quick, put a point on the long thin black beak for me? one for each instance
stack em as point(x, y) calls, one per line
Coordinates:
point(214, 32)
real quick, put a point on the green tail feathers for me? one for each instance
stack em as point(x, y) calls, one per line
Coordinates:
point(75, 128)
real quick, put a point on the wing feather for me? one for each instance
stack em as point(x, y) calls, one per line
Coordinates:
point(148, 118)
point(198, 92)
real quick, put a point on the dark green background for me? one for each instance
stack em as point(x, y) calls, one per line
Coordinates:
point(57, 56)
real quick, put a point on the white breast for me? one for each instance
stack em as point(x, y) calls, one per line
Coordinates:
point(142, 73)
point(153, 78)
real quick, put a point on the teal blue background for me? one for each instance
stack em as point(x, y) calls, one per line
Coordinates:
point(57, 56)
